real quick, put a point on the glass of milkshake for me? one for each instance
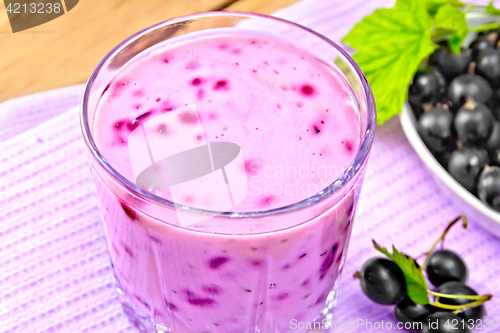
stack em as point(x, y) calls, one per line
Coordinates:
point(228, 151)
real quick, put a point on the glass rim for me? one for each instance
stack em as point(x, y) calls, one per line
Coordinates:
point(359, 159)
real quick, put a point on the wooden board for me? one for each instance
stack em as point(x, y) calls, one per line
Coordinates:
point(64, 51)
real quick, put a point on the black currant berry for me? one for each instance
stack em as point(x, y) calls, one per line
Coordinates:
point(491, 34)
point(494, 104)
point(458, 288)
point(428, 84)
point(495, 157)
point(488, 65)
point(466, 164)
point(450, 64)
point(495, 109)
point(493, 142)
point(480, 44)
point(408, 311)
point(445, 322)
point(383, 281)
point(445, 266)
point(443, 158)
point(417, 111)
point(473, 123)
point(469, 85)
point(488, 187)
point(435, 129)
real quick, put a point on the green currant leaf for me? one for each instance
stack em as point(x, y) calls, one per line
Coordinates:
point(415, 279)
point(382, 249)
point(456, 3)
point(451, 19)
point(416, 285)
point(391, 44)
point(434, 5)
point(490, 9)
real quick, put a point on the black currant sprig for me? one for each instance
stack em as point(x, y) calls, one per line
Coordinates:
point(478, 300)
point(389, 281)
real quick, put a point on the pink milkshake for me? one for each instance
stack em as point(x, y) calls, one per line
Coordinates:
point(235, 185)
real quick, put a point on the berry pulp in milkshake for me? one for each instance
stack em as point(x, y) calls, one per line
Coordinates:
point(295, 125)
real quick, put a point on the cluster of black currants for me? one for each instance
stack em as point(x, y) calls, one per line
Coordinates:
point(456, 307)
point(456, 99)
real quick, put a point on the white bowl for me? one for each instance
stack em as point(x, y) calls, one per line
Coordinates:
point(476, 211)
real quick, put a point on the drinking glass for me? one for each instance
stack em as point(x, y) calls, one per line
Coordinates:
point(259, 271)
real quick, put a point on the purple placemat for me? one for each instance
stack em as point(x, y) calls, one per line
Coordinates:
point(55, 274)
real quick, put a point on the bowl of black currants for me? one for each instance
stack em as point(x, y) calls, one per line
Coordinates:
point(452, 120)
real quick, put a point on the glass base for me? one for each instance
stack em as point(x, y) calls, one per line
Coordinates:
point(149, 324)
point(143, 321)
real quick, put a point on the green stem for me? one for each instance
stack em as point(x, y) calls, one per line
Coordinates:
point(457, 308)
point(445, 306)
point(465, 224)
point(461, 308)
point(485, 27)
point(475, 297)
point(443, 235)
point(468, 306)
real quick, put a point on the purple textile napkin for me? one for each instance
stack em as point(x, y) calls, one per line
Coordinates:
point(55, 274)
